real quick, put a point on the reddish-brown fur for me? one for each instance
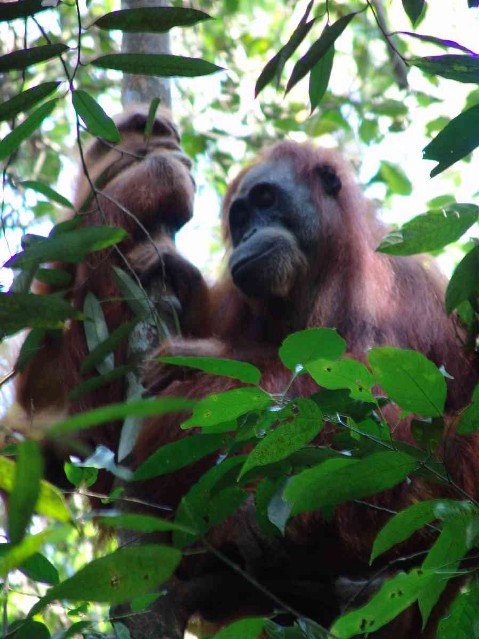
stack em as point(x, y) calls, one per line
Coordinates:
point(370, 298)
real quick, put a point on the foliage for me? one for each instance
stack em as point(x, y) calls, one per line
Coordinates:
point(77, 45)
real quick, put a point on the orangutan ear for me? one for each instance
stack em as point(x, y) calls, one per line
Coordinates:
point(329, 179)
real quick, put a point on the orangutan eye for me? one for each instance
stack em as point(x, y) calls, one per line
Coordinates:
point(263, 196)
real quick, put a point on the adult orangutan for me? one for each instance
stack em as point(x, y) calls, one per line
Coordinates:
point(301, 240)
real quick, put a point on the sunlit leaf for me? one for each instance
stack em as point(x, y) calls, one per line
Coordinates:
point(221, 407)
point(287, 438)
point(302, 347)
point(342, 479)
point(127, 572)
point(344, 373)
point(410, 380)
point(462, 68)
point(243, 371)
point(430, 231)
point(26, 489)
point(247, 628)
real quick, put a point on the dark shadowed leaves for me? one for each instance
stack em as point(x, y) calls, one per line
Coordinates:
point(461, 620)
point(455, 141)
point(151, 19)
point(275, 66)
point(23, 131)
point(462, 68)
point(329, 36)
point(319, 78)
point(26, 99)
point(469, 422)
point(71, 246)
point(24, 310)
point(23, 58)
point(94, 117)
point(160, 64)
point(20, 9)
point(413, 8)
point(430, 231)
point(464, 282)
point(410, 380)
point(140, 523)
point(178, 454)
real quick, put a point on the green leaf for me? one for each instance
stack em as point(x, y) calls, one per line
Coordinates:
point(442, 561)
point(178, 454)
point(47, 191)
point(395, 178)
point(462, 68)
point(132, 293)
point(275, 66)
point(160, 64)
point(469, 422)
point(127, 572)
point(50, 500)
point(26, 489)
point(23, 58)
point(410, 380)
point(97, 332)
point(21, 9)
point(98, 381)
point(413, 8)
point(345, 373)
point(150, 120)
point(302, 347)
point(99, 354)
point(455, 141)
point(12, 141)
point(394, 596)
point(141, 523)
point(461, 620)
point(233, 369)
point(247, 628)
point(26, 99)
point(287, 438)
point(464, 283)
point(319, 78)
point(151, 19)
point(194, 510)
point(55, 277)
point(342, 479)
point(440, 42)
point(70, 246)
point(430, 231)
point(113, 412)
point(22, 310)
point(222, 407)
point(402, 525)
point(329, 36)
point(29, 546)
point(39, 568)
point(31, 629)
point(94, 117)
